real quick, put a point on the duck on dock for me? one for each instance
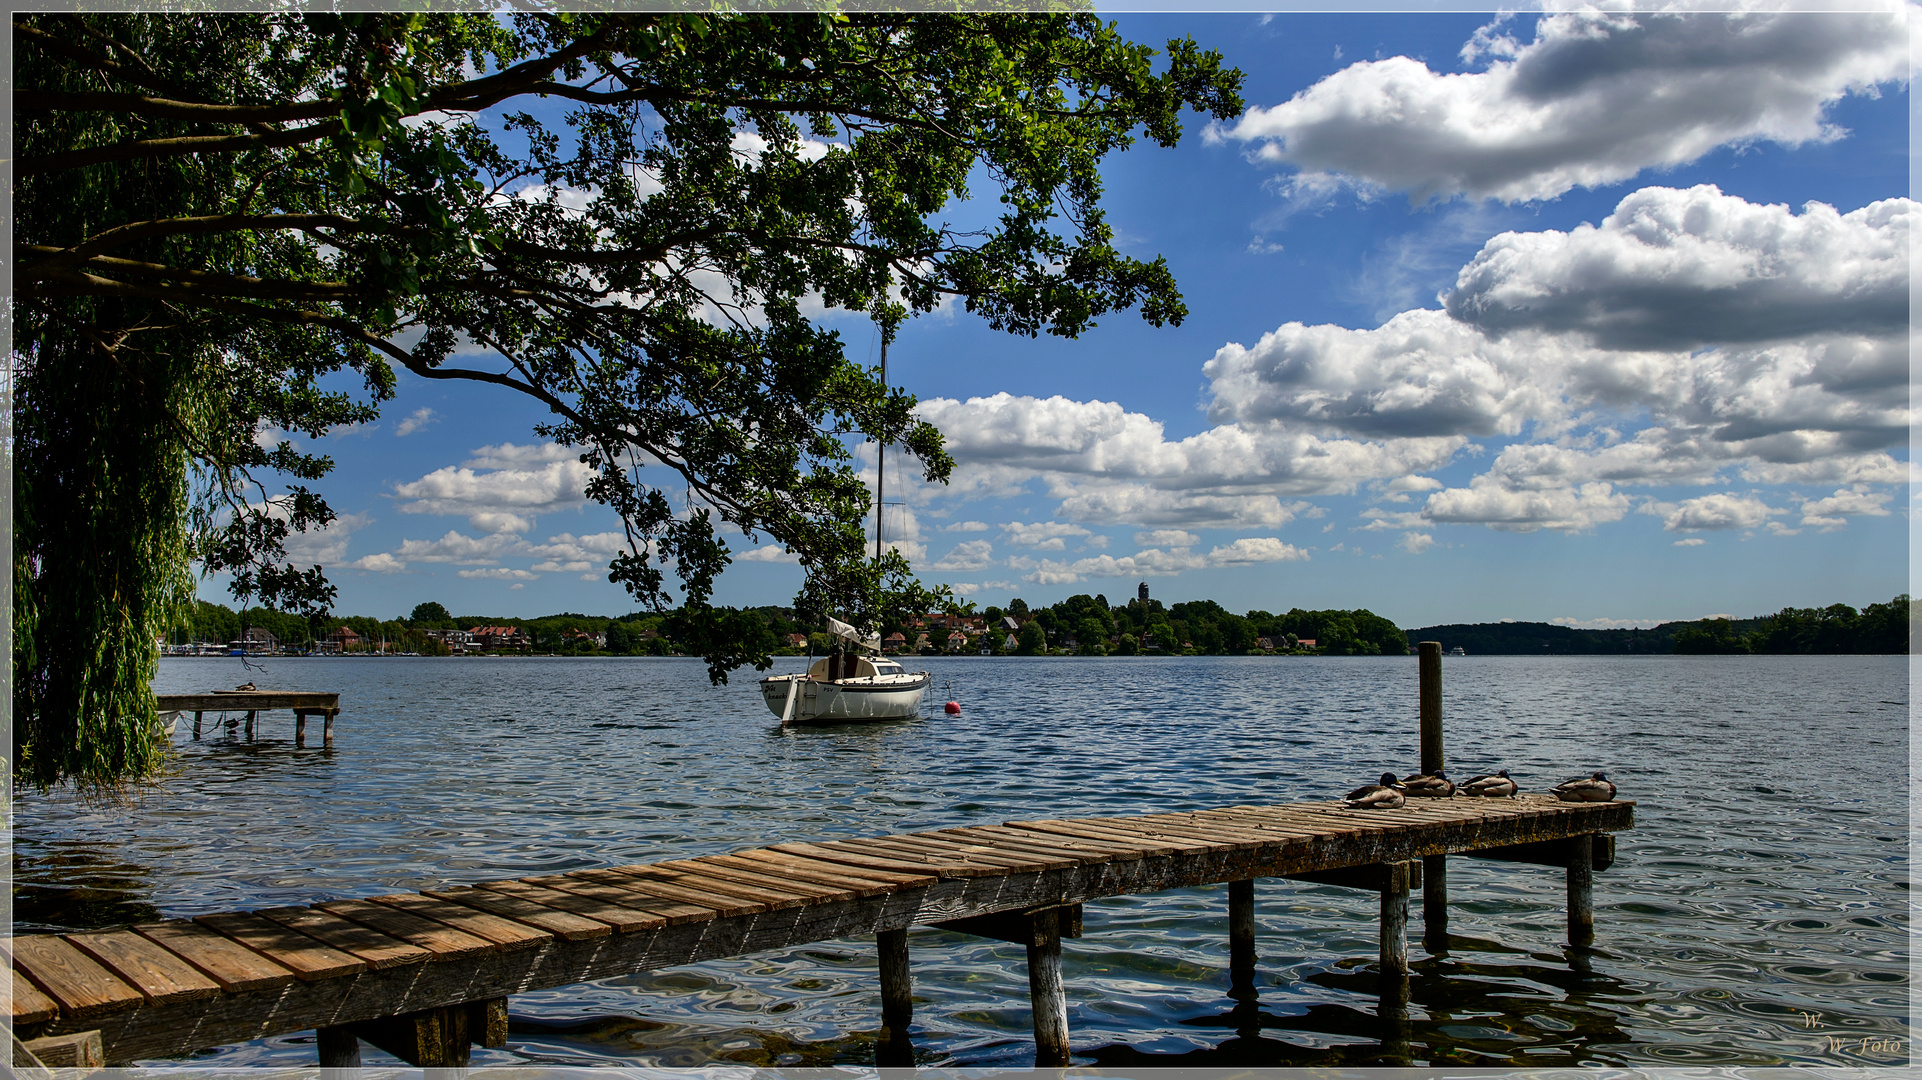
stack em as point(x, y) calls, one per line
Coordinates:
point(1495, 785)
point(1384, 796)
point(1592, 788)
point(1428, 786)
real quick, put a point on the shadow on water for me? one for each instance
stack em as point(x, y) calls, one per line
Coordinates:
point(70, 886)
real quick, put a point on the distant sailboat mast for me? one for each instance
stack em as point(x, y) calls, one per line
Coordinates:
point(880, 457)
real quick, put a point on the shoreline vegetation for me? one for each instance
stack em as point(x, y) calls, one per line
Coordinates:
point(1081, 625)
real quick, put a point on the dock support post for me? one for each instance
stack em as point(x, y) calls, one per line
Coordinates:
point(1241, 939)
point(1394, 932)
point(300, 729)
point(1049, 1000)
point(250, 725)
point(197, 716)
point(339, 1048)
point(1581, 891)
point(1434, 882)
point(328, 738)
point(894, 1050)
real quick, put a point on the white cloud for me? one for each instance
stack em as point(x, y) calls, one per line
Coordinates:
point(967, 556)
point(967, 526)
point(1594, 99)
point(1484, 502)
point(768, 553)
point(1157, 563)
point(1173, 538)
point(1255, 549)
point(379, 562)
point(1677, 269)
point(1722, 510)
point(458, 547)
point(500, 573)
point(416, 420)
point(1415, 543)
point(1832, 512)
point(322, 547)
point(501, 489)
point(1692, 541)
point(1046, 535)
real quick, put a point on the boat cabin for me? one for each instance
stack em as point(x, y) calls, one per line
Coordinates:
point(856, 667)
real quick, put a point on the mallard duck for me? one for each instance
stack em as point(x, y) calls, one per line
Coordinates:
point(1593, 788)
point(1426, 786)
point(1385, 795)
point(246, 686)
point(1492, 786)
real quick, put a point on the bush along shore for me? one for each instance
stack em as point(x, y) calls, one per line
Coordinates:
point(1838, 628)
point(1081, 625)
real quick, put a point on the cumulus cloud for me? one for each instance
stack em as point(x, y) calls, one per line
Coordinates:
point(1154, 562)
point(1595, 98)
point(416, 420)
point(500, 573)
point(1487, 502)
point(767, 553)
point(1678, 269)
point(1832, 513)
point(1415, 543)
point(322, 547)
point(1722, 510)
point(380, 562)
point(1042, 535)
point(1692, 541)
point(967, 526)
point(458, 547)
point(1169, 538)
point(969, 555)
point(501, 489)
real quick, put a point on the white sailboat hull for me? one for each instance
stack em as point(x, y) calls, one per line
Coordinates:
point(870, 697)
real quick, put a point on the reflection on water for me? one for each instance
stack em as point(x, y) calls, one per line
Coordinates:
point(1757, 912)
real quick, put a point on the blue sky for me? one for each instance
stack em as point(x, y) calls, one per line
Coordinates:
point(1587, 318)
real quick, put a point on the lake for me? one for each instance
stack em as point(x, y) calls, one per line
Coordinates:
point(1758, 914)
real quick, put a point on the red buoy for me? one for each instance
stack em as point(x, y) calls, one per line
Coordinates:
point(953, 708)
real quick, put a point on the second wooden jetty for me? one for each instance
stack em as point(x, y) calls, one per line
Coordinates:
point(427, 975)
point(304, 703)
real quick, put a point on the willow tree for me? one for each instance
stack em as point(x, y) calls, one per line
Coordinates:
point(625, 217)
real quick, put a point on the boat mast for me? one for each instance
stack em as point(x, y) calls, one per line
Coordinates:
point(880, 457)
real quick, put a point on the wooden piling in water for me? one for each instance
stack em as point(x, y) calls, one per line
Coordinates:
point(897, 988)
point(1394, 930)
point(1241, 939)
point(1581, 891)
point(197, 716)
point(1434, 881)
point(1049, 999)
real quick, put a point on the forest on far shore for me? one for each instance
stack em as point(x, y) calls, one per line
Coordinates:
point(1838, 628)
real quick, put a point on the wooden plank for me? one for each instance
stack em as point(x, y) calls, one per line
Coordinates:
point(81, 1051)
point(1015, 862)
point(675, 912)
point(1213, 830)
point(946, 863)
point(833, 871)
point(559, 923)
point(788, 870)
point(1185, 843)
point(723, 868)
point(1016, 843)
point(145, 966)
point(370, 945)
point(234, 966)
point(506, 933)
point(30, 1006)
point(625, 919)
point(688, 873)
point(720, 905)
point(244, 701)
point(857, 859)
point(1116, 850)
point(442, 942)
point(1148, 847)
point(693, 888)
point(75, 981)
point(305, 957)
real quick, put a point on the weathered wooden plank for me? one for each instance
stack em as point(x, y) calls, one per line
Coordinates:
point(1019, 846)
point(1215, 830)
point(876, 860)
point(30, 1006)
point(234, 966)
point(675, 912)
point(837, 871)
point(722, 868)
point(305, 957)
point(370, 945)
point(946, 863)
point(969, 852)
point(1187, 843)
point(81, 1051)
point(559, 923)
point(505, 933)
point(240, 701)
point(725, 906)
point(442, 942)
point(75, 981)
point(145, 966)
point(690, 876)
point(624, 918)
point(1114, 850)
point(1146, 846)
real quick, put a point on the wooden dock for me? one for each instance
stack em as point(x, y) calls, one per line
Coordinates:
point(427, 975)
point(304, 703)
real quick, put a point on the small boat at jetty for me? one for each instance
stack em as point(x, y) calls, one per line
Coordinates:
point(841, 689)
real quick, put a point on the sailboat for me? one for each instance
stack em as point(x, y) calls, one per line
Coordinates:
point(840, 689)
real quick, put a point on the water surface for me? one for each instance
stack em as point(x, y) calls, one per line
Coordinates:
point(1757, 915)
